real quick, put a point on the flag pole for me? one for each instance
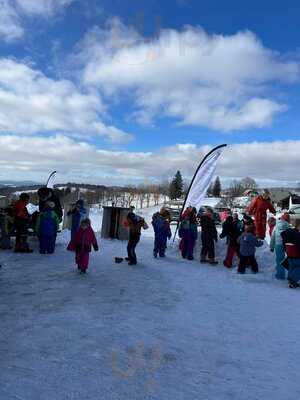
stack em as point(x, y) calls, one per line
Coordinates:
point(193, 180)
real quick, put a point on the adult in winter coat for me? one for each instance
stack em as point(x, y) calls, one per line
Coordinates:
point(22, 219)
point(248, 243)
point(135, 224)
point(162, 233)
point(209, 236)
point(82, 244)
point(188, 232)
point(232, 230)
point(291, 242)
point(78, 213)
point(276, 244)
point(259, 207)
point(46, 228)
point(46, 194)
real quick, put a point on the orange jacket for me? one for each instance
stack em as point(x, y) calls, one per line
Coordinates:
point(259, 208)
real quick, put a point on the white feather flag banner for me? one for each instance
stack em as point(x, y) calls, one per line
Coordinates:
point(203, 178)
point(51, 180)
point(201, 181)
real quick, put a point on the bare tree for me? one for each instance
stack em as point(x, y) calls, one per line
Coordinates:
point(248, 183)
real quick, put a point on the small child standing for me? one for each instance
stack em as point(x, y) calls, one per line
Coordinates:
point(46, 228)
point(82, 244)
point(188, 232)
point(209, 236)
point(162, 232)
point(231, 231)
point(248, 243)
point(78, 214)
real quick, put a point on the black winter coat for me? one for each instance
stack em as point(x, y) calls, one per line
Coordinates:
point(208, 228)
point(232, 231)
point(291, 236)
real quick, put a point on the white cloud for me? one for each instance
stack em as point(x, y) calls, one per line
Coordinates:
point(10, 25)
point(220, 82)
point(41, 7)
point(12, 13)
point(31, 103)
point(34, 157)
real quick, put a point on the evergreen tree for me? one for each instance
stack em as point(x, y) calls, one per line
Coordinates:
point(217, 188)
point(176, 187)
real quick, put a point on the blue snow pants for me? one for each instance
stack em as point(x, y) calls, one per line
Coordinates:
point(160, 245)
point(280, 256)
point(47, 244)
point(294, 269)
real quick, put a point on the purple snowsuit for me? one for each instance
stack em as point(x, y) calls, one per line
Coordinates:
point(188, 233)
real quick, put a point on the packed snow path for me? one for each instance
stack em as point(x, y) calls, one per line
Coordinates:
point(165, 329)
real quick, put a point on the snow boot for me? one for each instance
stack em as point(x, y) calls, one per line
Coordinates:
point(293, 284)
point(213, 261)
point(226, 265)
point(203, 260)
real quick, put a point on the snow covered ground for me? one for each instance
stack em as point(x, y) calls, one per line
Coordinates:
point(165, 329)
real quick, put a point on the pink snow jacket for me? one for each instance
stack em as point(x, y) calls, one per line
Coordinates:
point(83, 241)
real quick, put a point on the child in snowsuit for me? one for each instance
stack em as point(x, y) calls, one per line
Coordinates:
point(162, 233)
point(248, 243)
point(231, 231)
point(209, 236)
point(46, 228)
point(82, 244)
point(22, 219)
point(78, 213)
point(135, 224)
point(276, 244)
point(291, 242)
point(188, 232)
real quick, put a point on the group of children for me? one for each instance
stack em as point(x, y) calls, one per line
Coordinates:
point(242, 240)
point(242, 236)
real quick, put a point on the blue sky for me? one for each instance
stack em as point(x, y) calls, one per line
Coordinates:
point(129, 91)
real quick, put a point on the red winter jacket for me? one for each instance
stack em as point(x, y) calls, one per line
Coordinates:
point(83, 241)
point(20, 210)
